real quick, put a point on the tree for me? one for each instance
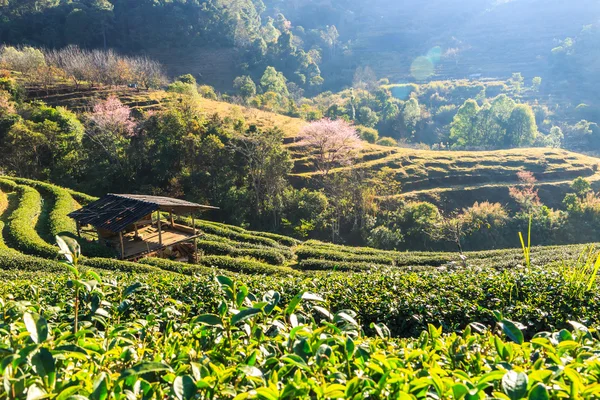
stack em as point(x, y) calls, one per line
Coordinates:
point(411, 114)
point(334, 143)
point(113, 116)
point(267, 163)
point(522, 129)
point(273, 81)
point(581, 186)
point(516, 81)
point(367, 117)
point(526, 195)
point(463, 128)
point(245, 86)
point(536, 83)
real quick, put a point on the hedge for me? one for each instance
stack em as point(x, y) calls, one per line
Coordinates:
point(119, 265)
point(13, 260)
point(269, 256)
point(179, 267)
point(21, 225)
point(245, 266)
point(59, 221)
point(328, 265)
point(305, 253)
point(222, 230)
point(286, 252)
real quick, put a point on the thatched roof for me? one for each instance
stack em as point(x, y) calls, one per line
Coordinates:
point(114, 212)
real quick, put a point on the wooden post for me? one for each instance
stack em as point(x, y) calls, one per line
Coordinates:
point(159, 229)
point(194, 224)
point(122, 245)
point(195, 250)
point(78, 229)
point(100, 238)
point(136, 231)
point(172, 221)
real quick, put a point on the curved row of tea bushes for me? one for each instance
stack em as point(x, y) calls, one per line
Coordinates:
point(267, 255)
point(20, 229)
point(306, 253)
point(212, 264)
point(225, 231)
point(62, 203)
point(286, 252)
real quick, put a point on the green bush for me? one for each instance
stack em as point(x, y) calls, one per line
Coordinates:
point(226, 231)
point(305, 253)
point(179, 267)
point(368, 134)
point(21, 231)
point(244, 266)
point(62, 203)
point(329, 265)
point(269, 256)
point(387, 141)
point(119, 265)
point(12, 260)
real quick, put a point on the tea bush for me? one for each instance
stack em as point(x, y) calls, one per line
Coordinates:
point(21, 225)
point(142, 343)
point(269, 256)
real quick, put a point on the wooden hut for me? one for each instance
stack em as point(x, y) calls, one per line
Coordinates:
point(135, 225)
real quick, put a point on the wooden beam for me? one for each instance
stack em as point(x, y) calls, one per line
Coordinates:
point(172, 220)
point(122, 245)
point(159, 229)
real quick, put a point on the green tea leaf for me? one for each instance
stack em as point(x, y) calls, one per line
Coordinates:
point(144, 368)
point(184, 387)
point(100, 389)
point(512, 331)
point(36, 326)
point(244, 315)
point(208, 319)
point(514, 384)
point(538, 392)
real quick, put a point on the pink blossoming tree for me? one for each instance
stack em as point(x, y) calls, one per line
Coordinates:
point(112, 116)
point(334, 142)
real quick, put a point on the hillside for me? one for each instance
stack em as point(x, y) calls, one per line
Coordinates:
point(453, 178)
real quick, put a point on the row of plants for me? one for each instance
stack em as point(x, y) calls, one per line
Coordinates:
point(20, 229)
point(286, 252)
point(217, 248)
point(281, 239)
point(120, 337)
point(326, 252)
point(230, 232)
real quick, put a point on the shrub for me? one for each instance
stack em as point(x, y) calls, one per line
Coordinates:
point(178, 267)
point(207, 92)
point(21, 225)
point(244, 266)
point(328, 265)
point(387, 141)
point(119, 265)
point(304, 253)
point(219, 248)
point(12, 260)
point(368, 134)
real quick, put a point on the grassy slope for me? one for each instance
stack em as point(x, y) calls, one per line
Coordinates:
point(452, 178)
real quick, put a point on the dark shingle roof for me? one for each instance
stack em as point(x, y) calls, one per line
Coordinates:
point(114, 212)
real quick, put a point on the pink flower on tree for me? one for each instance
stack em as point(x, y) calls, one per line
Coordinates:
point(334, 143)
point(113, 116)
point(526, 195)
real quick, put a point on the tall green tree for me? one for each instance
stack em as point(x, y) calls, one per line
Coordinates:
point(463, 130)
point(522, 129)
